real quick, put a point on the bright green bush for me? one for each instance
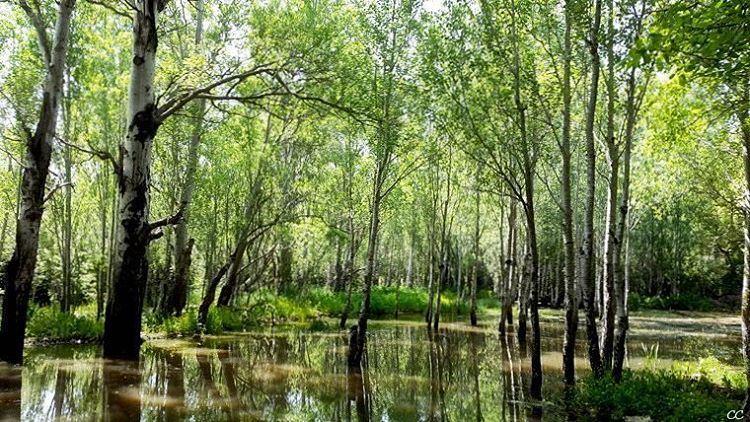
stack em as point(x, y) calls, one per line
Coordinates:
point(664, 395)
point(52, 324)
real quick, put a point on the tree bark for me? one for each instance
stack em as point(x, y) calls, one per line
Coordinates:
point(20, 269)
point(744, 117)
point(355, 352)
point(175, 297)
point(610, 237)
point(122, 326)
point(506, 310)
point(67, 227)
point(621, 272)
point(475, 264)
point(210, 294)
point(588, 275)
point(227, 291)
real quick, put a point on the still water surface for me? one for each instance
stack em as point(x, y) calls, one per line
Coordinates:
point(294, 374)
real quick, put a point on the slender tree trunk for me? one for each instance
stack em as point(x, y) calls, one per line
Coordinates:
point(175, 298)
point(442, 280)
point(431, 273)
point(122, 326)
point(227, 291)
point(360, 332)
point(621, 272)
point(20, 269)
point(531, 295)
point(349, 273)
point(67, 230)
point(210, 294)
point(410, 262)
point(475, 263)
point(610, 237)
point(506, 310)
point(744, 117)
point(588, 274)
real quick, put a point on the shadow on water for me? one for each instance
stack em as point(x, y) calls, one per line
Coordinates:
point(408, 373)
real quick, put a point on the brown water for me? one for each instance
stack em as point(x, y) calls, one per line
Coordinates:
point(293, 374)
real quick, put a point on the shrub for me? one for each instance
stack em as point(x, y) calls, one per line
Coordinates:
point(682, 302)
point(668, 395)
point(50, 323)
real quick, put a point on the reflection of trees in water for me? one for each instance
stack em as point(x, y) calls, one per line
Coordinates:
point(10, 393)
point(121, 381)
point(512, 391)
point(408, 373)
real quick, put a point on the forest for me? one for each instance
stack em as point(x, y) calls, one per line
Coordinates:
point(374, 210)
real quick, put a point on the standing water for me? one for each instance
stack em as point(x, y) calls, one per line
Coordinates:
point(459, 373)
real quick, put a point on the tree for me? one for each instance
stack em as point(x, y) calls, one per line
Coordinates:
point(20, 269)
point(715, 50)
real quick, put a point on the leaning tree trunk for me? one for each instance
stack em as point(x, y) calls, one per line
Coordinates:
point(227, 292)
point(20, 269)
point(610, 238)
point(122, 326)
point(210, 294)
point(588, 273)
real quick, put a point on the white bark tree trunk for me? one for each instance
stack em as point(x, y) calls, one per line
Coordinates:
point(20, 269)
point(588, 274)
point(176, 303)
point(122, 326)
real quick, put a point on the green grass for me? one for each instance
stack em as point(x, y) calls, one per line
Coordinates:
point(682, 302)
point(265, 308)
point(702, 391)
point(51, 324)
point(385, 301)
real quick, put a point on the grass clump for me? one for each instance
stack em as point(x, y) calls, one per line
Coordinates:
point(676, 394)
point(50, 323)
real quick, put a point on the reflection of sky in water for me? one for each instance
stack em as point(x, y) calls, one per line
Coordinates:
point(461, 373)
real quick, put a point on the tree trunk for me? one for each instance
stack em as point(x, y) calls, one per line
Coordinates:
point(210, 294)
point(122, 326)
point(229, 288)
point(178, 298)
point(349, 273)
point(610, 238)
point(431, 274)
point(506, 310)
point(588, 275)
point(355, 352)
point(475, 264)
point(67, 228)
point(620, 271)
point(442, 280)
point(20, 269)
point(744, 117)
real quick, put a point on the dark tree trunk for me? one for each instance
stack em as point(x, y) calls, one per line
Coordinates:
point(210, 294)
point(229, 288)
point(19, 271)
point(122, 326)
